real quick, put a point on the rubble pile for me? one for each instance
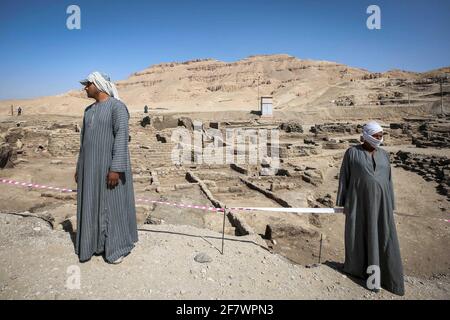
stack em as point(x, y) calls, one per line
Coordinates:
point(345, 101)
point(431, 168)
point(350, 128)
point(433, 134)
point(291, 126)
point(423, 132)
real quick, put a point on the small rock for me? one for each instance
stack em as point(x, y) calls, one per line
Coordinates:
point(202, 258)
point(19, 144)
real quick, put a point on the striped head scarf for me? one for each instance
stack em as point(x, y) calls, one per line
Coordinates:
point(103, 83)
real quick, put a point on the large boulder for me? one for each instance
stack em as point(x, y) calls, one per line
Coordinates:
point(185, 122)
point(14, 134)
point(291, 126)
point(7, 156)
point(313, 176)
point(145, 121)
point(333, 144)
point(286, 230)
point(143, 213)
point(59, 216)
point(302, 237)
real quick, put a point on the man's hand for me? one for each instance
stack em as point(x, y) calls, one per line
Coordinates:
point(112, 180)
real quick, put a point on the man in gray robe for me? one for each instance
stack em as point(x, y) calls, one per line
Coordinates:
point(106, 213)
point(366, 192)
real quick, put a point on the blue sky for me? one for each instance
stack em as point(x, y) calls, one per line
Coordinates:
point(40, 56)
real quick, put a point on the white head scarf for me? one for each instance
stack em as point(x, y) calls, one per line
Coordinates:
point(103, 83)
point(369, 129)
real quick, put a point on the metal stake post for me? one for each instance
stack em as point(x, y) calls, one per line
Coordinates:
point(223, 226)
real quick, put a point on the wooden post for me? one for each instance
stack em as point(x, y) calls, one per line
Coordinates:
point(12, 110)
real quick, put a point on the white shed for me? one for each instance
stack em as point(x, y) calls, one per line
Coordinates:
point(266, 106)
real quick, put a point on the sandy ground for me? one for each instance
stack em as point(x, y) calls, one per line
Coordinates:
point(39, 263)
point(34, 262)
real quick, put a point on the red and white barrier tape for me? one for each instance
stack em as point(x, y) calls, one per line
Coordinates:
point(189, 206)
point(180, 205)
point(25, 184)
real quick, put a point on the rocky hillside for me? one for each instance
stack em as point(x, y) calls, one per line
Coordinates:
point(295, 84)
point(213, 83)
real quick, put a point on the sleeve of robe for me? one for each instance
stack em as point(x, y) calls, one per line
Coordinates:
point(391, 185)
point(81, 147)
point(119, 161)
point(344, 179)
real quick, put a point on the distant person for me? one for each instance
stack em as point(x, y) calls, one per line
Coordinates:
point(367, 194)
point(145, 109)
point(106, 213)
point(19, 111)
